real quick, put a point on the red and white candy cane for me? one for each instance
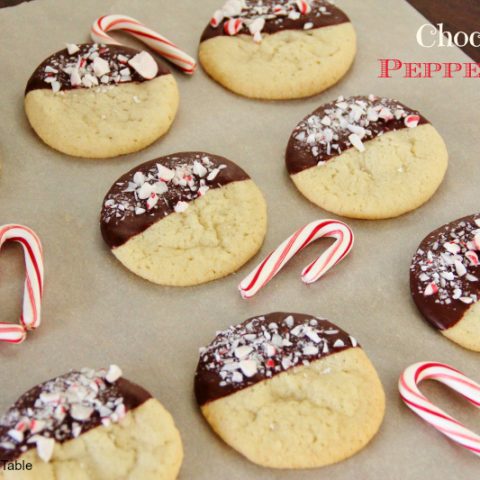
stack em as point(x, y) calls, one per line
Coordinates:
point(154, 40)
point(443, 422)
point(32, 297)
point(259, 277)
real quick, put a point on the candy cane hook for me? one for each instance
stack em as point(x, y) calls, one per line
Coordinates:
point(33, 290)
point(154, 40)
point(418, 403)
point(303, 237)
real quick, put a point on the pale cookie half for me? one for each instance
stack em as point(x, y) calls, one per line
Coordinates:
point(366, 157)
point(101, 100)
point(184, 219)
point(445, 280)
point(278, 49)
point(89, 425)
point(289, 390)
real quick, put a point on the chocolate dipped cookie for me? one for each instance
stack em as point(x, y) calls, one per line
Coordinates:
point(100, 101)
point(278, 49)
point(289, 390)
point(184, 219)
point(445, 280)
point(366, 157)
point(89, 424)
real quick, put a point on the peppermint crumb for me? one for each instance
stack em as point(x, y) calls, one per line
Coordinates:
point(258, 348)
point(348, 123)
point(89, 66)
point(447, 265)
point(161, 188)
point(254, 14)
point(61, 409)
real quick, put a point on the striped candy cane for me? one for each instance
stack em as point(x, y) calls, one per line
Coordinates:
point(259, 277)
point(32, 297)
point(154, 40)
point(436, 417)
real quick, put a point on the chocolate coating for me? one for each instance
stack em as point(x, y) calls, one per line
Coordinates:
point(278, 342)
point(131, 394)
point(120, 221)
point(323, 14)
point(431, 263)
point(60, 59)
point(301, 155)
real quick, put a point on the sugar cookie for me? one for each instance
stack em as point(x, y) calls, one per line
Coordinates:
point(366, 157)
point(278, 49)
point(184, 219)
point(289, 390)
point(445, 280)
point(100, 101)
point(89, 425)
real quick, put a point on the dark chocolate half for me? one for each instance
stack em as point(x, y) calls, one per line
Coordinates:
point(445, 272)
point(48, 410)
point(277, 18)
point(155, 189)
point(262, 347)
point(326, 132)
point(60, 67)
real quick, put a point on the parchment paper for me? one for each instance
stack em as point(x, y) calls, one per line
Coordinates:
point(96, 312)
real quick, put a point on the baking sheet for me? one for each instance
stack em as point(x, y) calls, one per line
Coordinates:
point(96, 312)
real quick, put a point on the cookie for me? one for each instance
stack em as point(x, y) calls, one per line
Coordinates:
point(366, 157)
point(100, 101)
point(445, 280)
point(184, 219)
point(289, 390)
point(89, 425)
point(278, 49)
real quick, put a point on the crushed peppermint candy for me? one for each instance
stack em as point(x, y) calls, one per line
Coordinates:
point(346, 123)
point(445, 271)
point(163, 186)
point(255, 17)
point(262, 347)
point(59, 410)
point(141, 194)
point(93, 65)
